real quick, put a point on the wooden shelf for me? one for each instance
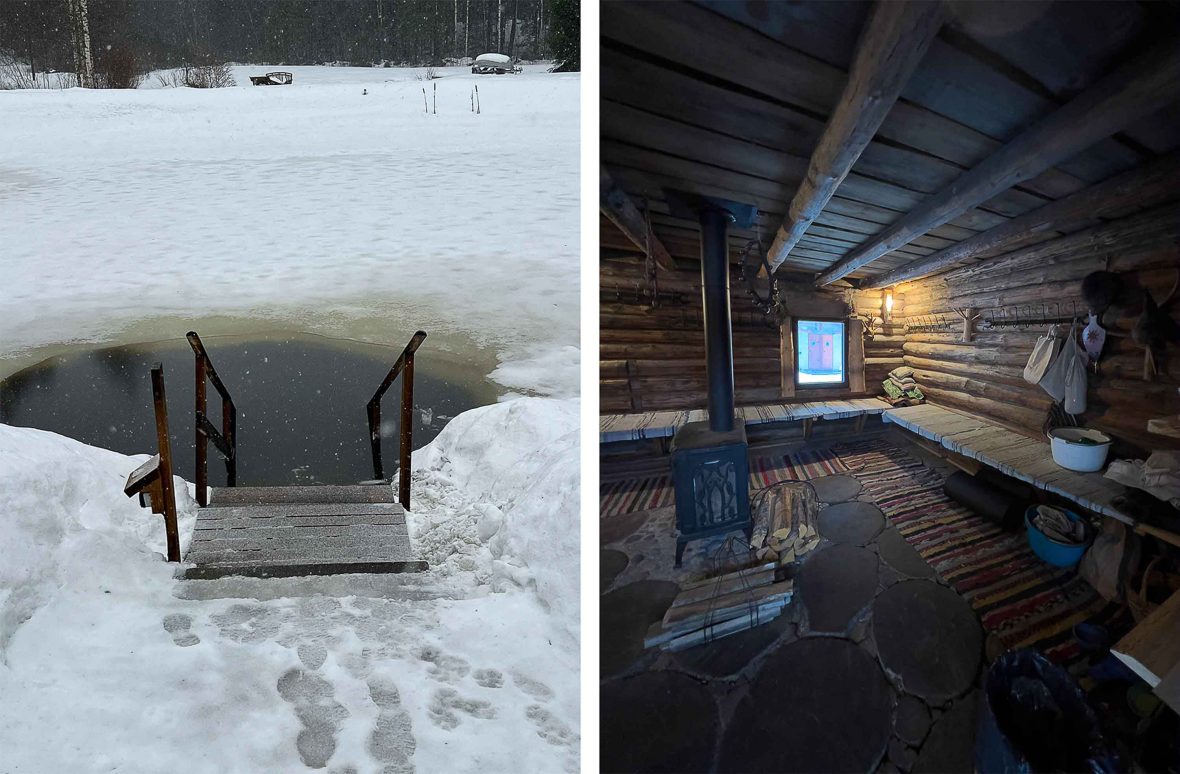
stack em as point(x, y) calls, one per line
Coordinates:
point(1152, 651)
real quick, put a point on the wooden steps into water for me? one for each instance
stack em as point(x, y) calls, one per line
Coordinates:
point(301, 530)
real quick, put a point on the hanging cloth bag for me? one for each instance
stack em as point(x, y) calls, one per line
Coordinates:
point(1065, 381)
point(1044, 351)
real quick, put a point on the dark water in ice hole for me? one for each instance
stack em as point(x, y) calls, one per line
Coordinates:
point(301, 403)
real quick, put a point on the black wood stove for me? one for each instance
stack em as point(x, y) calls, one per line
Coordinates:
point(710, 471)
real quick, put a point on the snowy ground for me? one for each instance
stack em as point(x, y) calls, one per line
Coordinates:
point(130, 213)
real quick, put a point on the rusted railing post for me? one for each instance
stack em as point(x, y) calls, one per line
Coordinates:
point(226, 440)
point(168, 494)
point(406, 432)
point(201, 445)
point(405, 367)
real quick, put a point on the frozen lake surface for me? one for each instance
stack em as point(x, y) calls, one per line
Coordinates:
point(132, 215)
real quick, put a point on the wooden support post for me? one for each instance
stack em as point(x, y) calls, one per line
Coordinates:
point(860, 422)
point(167, 492)
point(617, 206)
point(807, 423)
point(407, 430)
point(202, 444)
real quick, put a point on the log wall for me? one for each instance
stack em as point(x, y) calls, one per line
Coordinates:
point(985, 376)
point(653, 358)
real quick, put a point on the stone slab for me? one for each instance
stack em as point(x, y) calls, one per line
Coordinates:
point(612, 529)
point(912, 721)
point(624, 617)
point(657, 722)
point(855, 522)
point(610, 564)
point(950, 748)
point(819, 704)
point(835, 489)
point(835, 584)
point(930, 637)
point(901, 556)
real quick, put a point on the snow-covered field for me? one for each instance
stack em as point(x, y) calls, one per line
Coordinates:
point(130, 214)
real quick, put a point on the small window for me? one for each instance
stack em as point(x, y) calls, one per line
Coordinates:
point(820, 353)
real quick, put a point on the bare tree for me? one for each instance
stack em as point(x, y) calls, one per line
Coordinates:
point(80, 42)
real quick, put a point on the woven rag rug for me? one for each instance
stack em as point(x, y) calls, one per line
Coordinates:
point(1019, 599)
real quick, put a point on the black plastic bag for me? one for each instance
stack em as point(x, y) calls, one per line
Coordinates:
point(1035, 718)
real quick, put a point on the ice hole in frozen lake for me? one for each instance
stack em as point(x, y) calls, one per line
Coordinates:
point(300, 398)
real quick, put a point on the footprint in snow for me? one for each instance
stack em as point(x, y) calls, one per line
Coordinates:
point(550, 727)
point(248, 623)
point(447, 704)
point(446, 669)
point(535, 688)
point(318, 711)
point(178, 625)
point(489, 678)
point(392, 742)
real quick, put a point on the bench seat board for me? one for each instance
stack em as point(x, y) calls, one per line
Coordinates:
point(1010, 453)
point(663, 424)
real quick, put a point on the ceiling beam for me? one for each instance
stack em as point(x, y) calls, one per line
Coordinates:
point(617, 206)
point(895, 38)
point(1139, 188)
point(1131, 92)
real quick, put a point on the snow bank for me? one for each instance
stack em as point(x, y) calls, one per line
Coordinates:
point(64, 520)
point(498, 497)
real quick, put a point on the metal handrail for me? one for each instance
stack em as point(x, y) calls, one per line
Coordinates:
point(226, 440)
point(404, 364)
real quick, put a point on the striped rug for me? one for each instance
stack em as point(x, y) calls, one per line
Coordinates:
point(643, 494)
point(1019, 598)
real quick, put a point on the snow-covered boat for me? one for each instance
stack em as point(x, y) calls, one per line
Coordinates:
point(497, 64)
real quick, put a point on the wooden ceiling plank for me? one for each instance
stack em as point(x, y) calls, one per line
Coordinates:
point(977, 96)
point(894, 40)
point(1142, 187)
point(618, 207)
point(1116, 100)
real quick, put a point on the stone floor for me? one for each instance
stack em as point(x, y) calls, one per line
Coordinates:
point(874, 666)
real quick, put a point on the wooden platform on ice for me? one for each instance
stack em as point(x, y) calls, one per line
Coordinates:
point(663, 424)
point(301, 530)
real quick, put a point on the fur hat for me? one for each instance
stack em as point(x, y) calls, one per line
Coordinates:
point(1101, 289)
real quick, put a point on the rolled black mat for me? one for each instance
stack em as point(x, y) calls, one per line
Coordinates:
point(992, 503)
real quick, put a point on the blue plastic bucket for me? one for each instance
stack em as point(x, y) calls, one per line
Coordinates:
point(1054, 551)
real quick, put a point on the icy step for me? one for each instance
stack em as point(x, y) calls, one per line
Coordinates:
point(268, 495)
point(266, 532)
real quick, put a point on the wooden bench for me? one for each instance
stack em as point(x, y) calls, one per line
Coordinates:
point(1016, 455)
point(663, 424)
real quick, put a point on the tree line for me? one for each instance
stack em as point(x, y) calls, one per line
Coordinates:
point(171, 33)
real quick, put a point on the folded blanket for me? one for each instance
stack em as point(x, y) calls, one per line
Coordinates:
point(1056, 524)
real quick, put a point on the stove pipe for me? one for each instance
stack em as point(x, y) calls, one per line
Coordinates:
point(718, 332)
